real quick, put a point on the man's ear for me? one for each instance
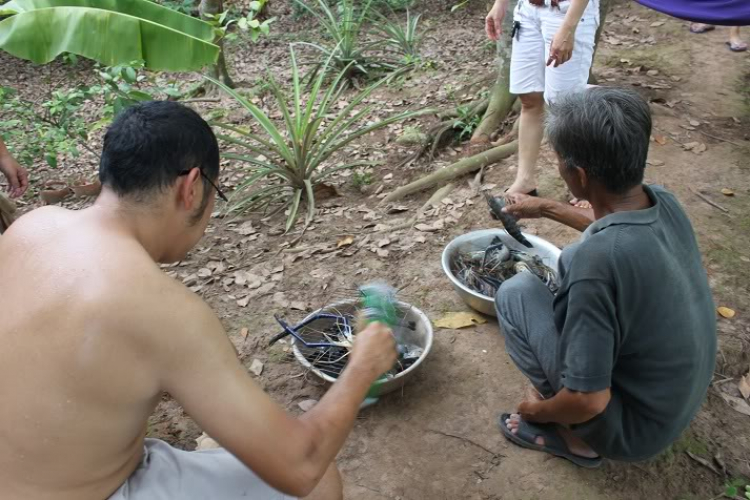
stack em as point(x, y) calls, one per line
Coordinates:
point(583, 178)
point(188, 190)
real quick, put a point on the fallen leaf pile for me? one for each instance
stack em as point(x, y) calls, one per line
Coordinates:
point(457, 320)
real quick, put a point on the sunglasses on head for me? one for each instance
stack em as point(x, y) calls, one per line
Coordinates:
point(213, 185)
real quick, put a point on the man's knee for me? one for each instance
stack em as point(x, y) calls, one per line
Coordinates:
point(532, 102)
point(512, 293)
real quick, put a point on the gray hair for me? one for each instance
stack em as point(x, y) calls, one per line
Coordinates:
point(604, 131)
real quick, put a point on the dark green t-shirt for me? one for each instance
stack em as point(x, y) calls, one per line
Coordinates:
point(635, 314)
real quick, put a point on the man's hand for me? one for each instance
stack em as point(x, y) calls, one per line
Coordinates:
point(561, 49)
point(17, 176)
point(374, 350)
point(493, 24)
point(528, 410)
point(523, 206)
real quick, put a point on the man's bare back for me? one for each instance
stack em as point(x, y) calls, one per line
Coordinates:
point(76, 381)
point(93, 332)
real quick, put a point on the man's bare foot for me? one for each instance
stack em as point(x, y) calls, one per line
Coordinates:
point(580, 203)
point(575, 445)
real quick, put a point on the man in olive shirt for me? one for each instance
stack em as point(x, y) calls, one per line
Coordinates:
point(621, 358)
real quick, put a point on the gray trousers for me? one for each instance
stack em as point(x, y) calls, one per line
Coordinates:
point(524, 310)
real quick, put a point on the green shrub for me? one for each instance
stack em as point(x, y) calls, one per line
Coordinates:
point(286, 162)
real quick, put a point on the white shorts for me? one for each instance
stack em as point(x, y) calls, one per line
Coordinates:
point(166, 473)
point(531, 45)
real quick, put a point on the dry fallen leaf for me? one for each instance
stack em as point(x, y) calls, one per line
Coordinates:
point(298, 305)
point(384, 242)
point(726, 312)
point(695, 123)
point(737, 404)
point(458, 320)
point(246, 229)
point(727, 192)
point(652, 72)
point(424, 227)
point(660, 139)
point(279, 298)
point(656, 24)
point(307, 404)
point(243, 302)
point(744, 386)
point(345, 241)
point(204, 272)
point(256, 367)
point(655, 163)
point(244, 332)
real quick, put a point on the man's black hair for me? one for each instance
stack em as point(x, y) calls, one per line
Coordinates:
point(604, 131)
point(150, 144)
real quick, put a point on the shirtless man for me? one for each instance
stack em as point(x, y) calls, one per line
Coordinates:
point(93, 332)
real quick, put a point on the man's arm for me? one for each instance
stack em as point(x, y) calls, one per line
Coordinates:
point(566, 407)
point(523, 206)
point(199, 367)
point(17, 176)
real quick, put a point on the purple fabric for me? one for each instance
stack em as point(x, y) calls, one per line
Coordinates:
point(721, 12)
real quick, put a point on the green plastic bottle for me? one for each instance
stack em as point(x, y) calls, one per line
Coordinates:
point(378, 304)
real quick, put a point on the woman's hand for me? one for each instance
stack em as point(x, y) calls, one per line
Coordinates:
point(493, 24)
point(561, 49)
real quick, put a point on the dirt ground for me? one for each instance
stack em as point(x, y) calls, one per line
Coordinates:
point(438, 438)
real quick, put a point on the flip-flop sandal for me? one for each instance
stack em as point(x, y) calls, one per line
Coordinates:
point(554, 444)
point(533, 192)
point(737, 47)
point(706, 28)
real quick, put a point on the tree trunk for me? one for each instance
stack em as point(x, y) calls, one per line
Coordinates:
point(219, 70)
point(501, 100)
point(603, 11)
point(458, 169)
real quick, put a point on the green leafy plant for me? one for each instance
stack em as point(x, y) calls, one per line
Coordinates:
point(250, 25)
point(186, 7)
point(286, 162)
point(466, 122)
point(405, 39)
point(344, 26)
point(59, 125)
point(735, 488)
point(46, 132)
point(360, 179)
point(127, 84)
point(459, 5)
point(394, 5)
point(97, 29)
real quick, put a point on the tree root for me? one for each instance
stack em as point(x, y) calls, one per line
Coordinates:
point(457, 169)
point(434, 200)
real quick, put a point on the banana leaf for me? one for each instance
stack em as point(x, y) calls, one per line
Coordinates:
point(109, 31)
